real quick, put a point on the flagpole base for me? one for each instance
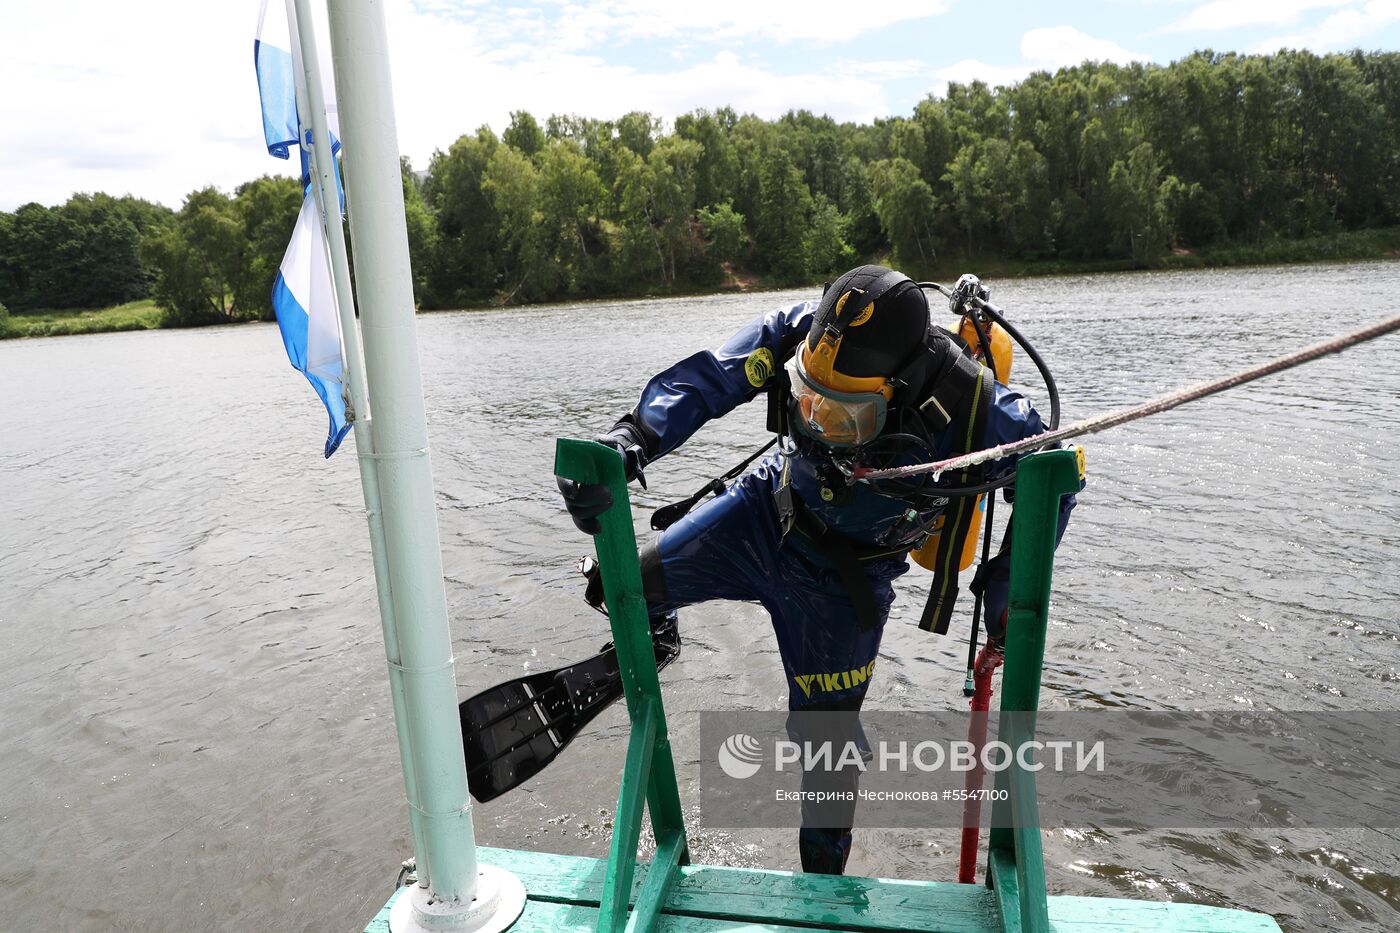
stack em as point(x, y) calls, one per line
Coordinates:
point(499, 902)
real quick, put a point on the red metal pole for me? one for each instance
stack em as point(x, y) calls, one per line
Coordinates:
point(988, 660)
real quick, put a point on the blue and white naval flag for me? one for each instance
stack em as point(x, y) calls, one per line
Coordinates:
point(272, 57)
point(303, 295)
point(304, 298)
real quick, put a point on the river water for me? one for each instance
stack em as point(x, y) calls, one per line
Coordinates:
point(193, 699)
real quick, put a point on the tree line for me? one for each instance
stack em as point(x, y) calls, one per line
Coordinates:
point(1095, 162)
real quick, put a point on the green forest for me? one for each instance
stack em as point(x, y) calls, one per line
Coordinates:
point(1214, 158)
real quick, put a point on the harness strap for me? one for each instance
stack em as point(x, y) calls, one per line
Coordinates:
point(841, 551)
point(968, 381)
point(779, 390)
point(956, 377)
point(845, 555)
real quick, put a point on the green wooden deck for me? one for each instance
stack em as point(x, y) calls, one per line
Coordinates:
point(565, 891)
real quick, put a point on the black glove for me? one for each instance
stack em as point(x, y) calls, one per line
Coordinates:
point(993, 583)
point(627, 441)
point(585, 502)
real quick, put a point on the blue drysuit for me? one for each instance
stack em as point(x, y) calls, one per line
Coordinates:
point(733, 546)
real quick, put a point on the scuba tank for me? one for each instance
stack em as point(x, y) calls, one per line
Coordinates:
point(926, 554)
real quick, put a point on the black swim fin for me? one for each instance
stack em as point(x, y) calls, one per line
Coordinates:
point(510, 732)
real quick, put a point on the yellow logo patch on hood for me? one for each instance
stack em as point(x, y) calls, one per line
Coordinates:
point(861, 317)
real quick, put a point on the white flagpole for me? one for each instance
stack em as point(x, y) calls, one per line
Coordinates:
point(460, 893)
point(311, 103)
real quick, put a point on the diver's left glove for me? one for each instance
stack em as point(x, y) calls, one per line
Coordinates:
point(627, 441)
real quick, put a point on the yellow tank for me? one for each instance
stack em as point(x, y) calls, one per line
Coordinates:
point(1001, 353)
point(1001, 347)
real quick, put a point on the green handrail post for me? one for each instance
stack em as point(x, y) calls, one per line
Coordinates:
point(627, 823)
point(650, 772)
point(1016, 863)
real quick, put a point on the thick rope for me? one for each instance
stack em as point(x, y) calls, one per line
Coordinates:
point(1123, 415)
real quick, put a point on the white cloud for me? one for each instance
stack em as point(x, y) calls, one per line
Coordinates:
point(972, 69)
point(1341, 30)
point(891, 69)
point(93, 103)
point(1046, 49)
point(1220, 15)
point(1061, 46)
point(780, 20)
point(586, 25)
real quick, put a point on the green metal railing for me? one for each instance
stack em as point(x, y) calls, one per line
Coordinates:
point(649, 777)
point(1016, 867)
point(1015, 862)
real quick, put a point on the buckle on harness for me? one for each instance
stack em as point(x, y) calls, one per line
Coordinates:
point(782, 499)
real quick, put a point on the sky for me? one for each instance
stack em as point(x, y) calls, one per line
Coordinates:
point(158, 98)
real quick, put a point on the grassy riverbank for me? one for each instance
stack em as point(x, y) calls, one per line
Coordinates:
point(134, 315)
point(1343, 247)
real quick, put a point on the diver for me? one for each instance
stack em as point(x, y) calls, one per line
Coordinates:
point(858, 377)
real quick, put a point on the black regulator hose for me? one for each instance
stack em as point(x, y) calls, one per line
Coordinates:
point(1051, 389)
